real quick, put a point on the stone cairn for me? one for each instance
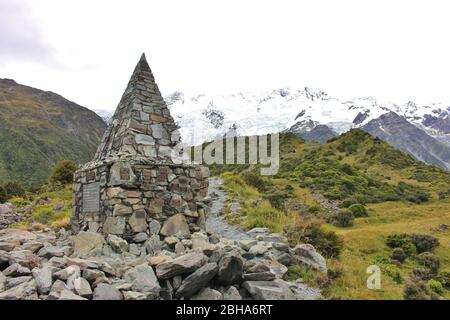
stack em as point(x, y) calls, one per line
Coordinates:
point(132, 180)
point(138, 227)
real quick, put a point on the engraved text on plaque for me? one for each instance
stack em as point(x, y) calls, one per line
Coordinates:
point(91, 197)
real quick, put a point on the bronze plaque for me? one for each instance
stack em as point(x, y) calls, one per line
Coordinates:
point(91, 197)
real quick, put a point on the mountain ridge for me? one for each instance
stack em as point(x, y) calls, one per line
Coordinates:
point(37, 128)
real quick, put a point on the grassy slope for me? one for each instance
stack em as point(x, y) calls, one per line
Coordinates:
point(364, 243)
point(38, 128)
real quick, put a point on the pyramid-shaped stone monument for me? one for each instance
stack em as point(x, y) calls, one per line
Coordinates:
point(132, 184)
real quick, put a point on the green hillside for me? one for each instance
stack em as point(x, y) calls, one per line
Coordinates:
point(386, 193)
point(37, 128)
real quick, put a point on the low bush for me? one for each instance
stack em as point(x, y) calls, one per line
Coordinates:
point(398, 254)
point(3, 195)
point(277, 199)
point(348, 202)
point(328, 243)
point(412, 243)
point(63, 172)
point(444, 279)
point(255, 180)
point(343, 218)
point(435, 286)
point(358, 210)
point(417, 289)
point(429, 265)
point(424, 242)
point(14, 189)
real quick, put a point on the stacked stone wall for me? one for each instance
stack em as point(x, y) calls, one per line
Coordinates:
point(133, 194)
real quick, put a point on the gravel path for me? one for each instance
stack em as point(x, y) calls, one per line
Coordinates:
point(215, 222)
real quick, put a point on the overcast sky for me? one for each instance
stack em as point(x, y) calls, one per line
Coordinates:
point(87, 49)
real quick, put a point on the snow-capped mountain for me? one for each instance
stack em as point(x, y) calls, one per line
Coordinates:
point(203, 117)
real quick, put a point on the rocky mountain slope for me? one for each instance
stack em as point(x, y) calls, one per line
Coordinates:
point(398, 132)
point(311, 114)
point(37, 128)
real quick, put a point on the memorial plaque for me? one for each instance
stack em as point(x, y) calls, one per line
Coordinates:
point(90, 175)
point(124, 174)
point(91, 197)
point(146, 176)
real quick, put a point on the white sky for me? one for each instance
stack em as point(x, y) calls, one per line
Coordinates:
point(87, 49)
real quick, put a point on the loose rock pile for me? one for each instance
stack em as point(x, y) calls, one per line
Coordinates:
point(9, 215)
point(61, 266)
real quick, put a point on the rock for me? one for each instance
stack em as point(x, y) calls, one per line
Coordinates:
point(153, 245)
point(54, 251)
point(13, 282)
point(181, 265)
point(107, 292)
point(179, 248)
point(59, 207)
point(6, 208)
point(8, 235)
point(200, 242)
point(140, 237)
point(268, 290)
point(83, 288)
point(197, 280)
point(132, 295)
point(43, 279)
point(143, 280)
point(8, 246)
point(58, 286)
point(258, 231)
point(286, 259)
point(171, 241)
point(176, 282)
point(208, 294)
point(156, 260)
point(82, 263)
point(65, 274)
point(259, 276)
point(247, 244)
point(283, 247)
point(92, 275)
point(259, 249)
point(134, 249)
point(2, 282)
point(122, 210)
point(24, 291)
point(303, 292)
point(273, 237)
point(88, 244)
point(25, 258)
point(231, 268)
point(277, 268)
point(114, 225)
point(144, 139)
point(119, 245)
point(16, 270)
point(59, 263)
point(234, 207)
point(232, 294)
point(175, 225)
point(154, 227)
point(32, 246)
point(138, 221)
point(69, 295)
point(307, 254)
